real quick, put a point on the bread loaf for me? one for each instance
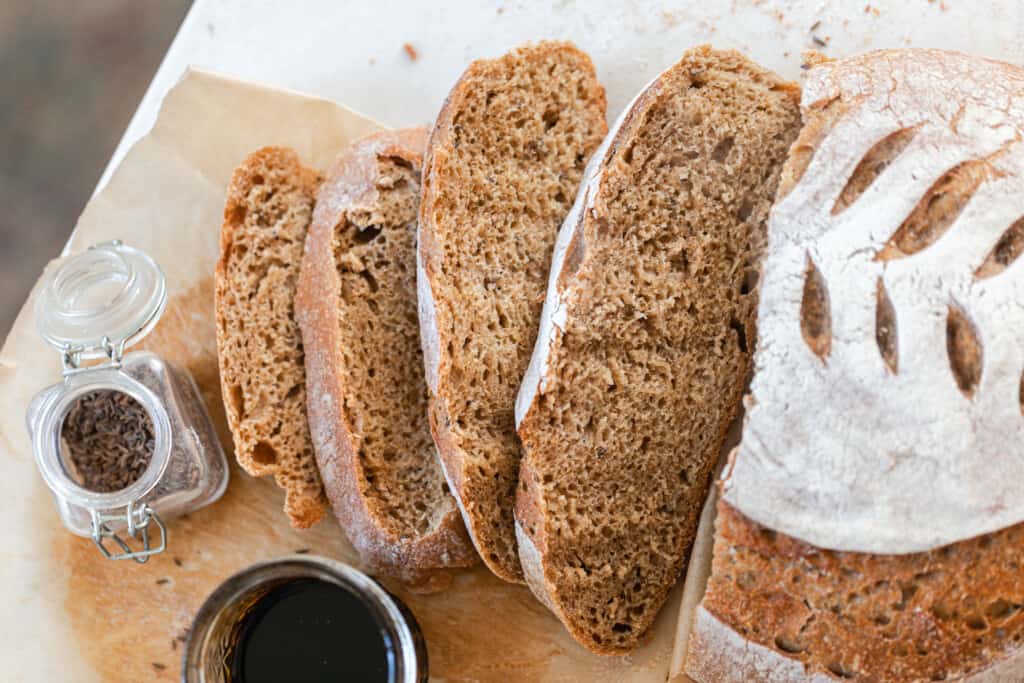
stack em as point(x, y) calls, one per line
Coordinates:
point(870, 524)
point(503, 163)
point(645, 342)
point(356, 305)
point(266, 216)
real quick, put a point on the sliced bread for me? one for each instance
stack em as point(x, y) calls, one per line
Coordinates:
point(356, 305)
point(266, 216)
point(870, 526)
point(645, 342)
point(503, 164)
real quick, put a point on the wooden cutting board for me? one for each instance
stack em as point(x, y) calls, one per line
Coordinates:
point(75, 616)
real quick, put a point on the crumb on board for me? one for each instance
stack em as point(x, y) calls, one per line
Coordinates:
point(819, 42)
point(815, 25)
point(302, 551)
point(163, 582)
point(180, 638)
point(159, 667)
point(178, 562)
point(873, 11)
point(410, 51)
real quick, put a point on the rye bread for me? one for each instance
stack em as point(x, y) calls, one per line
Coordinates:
point(900, 218)
point(356, 305)
point(779, 609)
point(645, 342)
point(503, 164)
point(267, 213)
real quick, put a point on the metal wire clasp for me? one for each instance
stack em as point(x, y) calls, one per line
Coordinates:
point(138, 519)
point(72, 356)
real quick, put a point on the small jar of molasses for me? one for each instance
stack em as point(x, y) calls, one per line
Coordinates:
point(303, 618)
point(124, 440)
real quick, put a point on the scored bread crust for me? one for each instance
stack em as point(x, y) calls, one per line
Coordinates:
point(539, 563)
point(275, 174)
point(824, 598)
point(435, 316)
point(903, 216)
point(422, 560)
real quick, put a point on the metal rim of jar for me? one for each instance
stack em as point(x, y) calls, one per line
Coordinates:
point(49, 451)
point(219, 613)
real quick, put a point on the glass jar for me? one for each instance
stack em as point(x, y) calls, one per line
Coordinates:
point(91, 308)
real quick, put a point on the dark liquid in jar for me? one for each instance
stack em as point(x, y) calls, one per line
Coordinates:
point(311, 630)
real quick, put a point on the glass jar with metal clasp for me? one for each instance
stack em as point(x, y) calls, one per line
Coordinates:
point(91, 308)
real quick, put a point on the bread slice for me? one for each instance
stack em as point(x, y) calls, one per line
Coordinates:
point(870, 525)
point(645, 342)
point(503, 163)
point(356, 305)
point(268, 210)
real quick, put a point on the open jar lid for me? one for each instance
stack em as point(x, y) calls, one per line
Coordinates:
point(107, 297)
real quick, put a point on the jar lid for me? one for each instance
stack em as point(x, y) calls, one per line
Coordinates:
point(107, 297)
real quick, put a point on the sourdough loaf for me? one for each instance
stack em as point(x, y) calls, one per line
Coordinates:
point(870, 525)
point(645, 342)
point(266, 216)
point(503, 163)
point(356, 305)
point(892, 291)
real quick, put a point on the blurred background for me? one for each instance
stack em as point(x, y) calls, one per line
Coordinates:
point(71, 74)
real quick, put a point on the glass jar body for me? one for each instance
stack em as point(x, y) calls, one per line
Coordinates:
point(187, 469)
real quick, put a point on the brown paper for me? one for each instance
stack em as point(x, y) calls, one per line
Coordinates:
point(75, 616)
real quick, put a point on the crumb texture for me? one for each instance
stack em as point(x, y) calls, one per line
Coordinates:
point(382, 364)
point(933, 616)
point(504, 162)
point(268, 211)
point(357, 307)
point(655, 318)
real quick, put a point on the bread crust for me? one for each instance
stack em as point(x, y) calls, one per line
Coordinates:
point(900, 436)
point(305, 506)
point(423, 562)
point(433, 324)
point(529, 510)
point(829, 560)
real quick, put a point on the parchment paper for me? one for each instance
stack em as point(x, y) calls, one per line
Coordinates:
point(74, 616)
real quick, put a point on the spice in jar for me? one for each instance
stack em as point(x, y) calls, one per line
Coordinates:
point(107, 440)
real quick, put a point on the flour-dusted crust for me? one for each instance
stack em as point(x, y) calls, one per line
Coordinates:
point(717, 654)
point(429, 337)
point(423, 561)
point(898, 428)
